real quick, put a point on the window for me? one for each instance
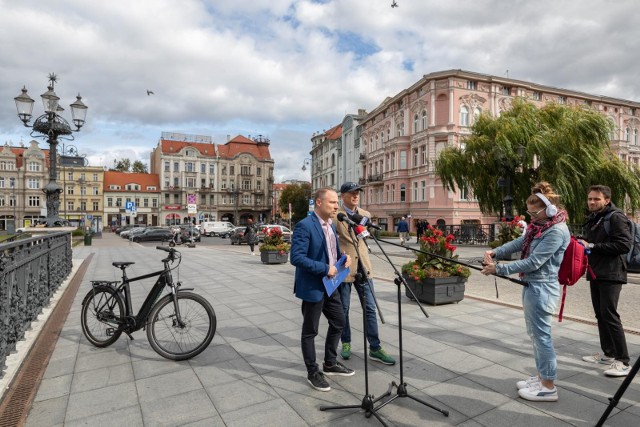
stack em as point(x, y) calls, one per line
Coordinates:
point(626, 134)
point(245, 170)
point(191, 182)
point(83, 191)
point(506, 90)
point(176, 182)
point(70, 205)
point(224, 170)
point(464, 116)
point(232, 170)
point(246, 199)
point(69, 176)
point(203, 168)
point(424, 119)
point(96, 206)
point(537, 96)
point(34, 201)
point(415, 191)
point(415, 157)
point(83, 206)
point(246, 184)
point(423, 190)
point(403, 160)
point(154, 203)
point(635, 136)
point(258, 171)
point(34, 167)
point(400, 129)
point(95, 191)
point(403, 192)
point(95, 177)
point(119, 202)
point(176, 167)
point(212, 169)
point(145, 203)
point(33, 183)
point(1, 182)
point(1, 200)
point(82, 176)
point(12, 200)
point(562, 99)
point(189, 167)
point(167, 166)
point(258, 185)
point(415, 123)
point(472, 85)
point(476, 113)
point(109, 202)
point(423, 151)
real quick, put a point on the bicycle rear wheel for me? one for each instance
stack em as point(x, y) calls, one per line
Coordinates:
point(101, 316)
point(181, 341)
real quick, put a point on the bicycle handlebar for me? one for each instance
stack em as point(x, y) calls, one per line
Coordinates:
point(162, 248)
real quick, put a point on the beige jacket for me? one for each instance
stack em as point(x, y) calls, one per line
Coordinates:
point(346, 245)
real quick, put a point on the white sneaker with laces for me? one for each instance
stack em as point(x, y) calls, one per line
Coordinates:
point(528, 382)
point(617, 369)
point(539, 393)
point(599, 358)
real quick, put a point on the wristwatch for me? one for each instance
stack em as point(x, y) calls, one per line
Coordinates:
point(590, 245)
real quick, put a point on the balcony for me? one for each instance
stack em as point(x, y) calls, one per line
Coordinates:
point(362, 181)
point(363, 156)
point(375, 179)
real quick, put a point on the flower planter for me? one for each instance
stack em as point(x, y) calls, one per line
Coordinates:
point(438, 290)
point(273, 257)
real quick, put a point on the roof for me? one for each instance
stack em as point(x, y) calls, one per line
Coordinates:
point(144, 180)
point(240, 145)
point(172, 147)
point(334, 133)
point(19, 153)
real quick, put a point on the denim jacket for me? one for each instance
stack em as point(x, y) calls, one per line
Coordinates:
point(545, 255)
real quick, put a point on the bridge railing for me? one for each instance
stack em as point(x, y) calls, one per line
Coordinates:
point(31, 270)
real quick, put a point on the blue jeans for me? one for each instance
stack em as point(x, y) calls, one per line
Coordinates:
point(372, 322)
point(539, 300)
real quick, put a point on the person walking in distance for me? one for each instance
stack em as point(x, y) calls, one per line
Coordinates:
point(251, 235)
point(350, 194)
point(542, 248)
point(403, 230)
point(608, 238)
point(315, 249)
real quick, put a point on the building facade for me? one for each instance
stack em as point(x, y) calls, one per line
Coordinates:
point(81, 201)
point(143, 189)
point(402, 138)
point(325, 151)
point(202, 181)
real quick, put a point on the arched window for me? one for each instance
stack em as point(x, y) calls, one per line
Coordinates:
point(424, 119)
point(635, 136)
point(399, 131)
point(415, 123)
point(476, 113)
point(381, 136)
point(626, 134)
point(333, 160)
point(464, 116)
point(389, 134)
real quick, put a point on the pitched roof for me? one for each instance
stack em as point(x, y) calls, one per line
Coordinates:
point(144, 180)
point(334, 133)
point(19, 153)
point(241, 144)
point(171, 147)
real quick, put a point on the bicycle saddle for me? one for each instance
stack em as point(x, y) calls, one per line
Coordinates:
point(122, 264)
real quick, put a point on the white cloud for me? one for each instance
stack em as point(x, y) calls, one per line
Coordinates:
point(287, 68)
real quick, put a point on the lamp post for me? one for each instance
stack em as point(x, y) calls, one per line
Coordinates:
point(13, 197)
point(509, 166)
point(306, 162)
point(51, 126)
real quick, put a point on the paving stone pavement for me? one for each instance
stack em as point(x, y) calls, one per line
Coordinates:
point(464, 358)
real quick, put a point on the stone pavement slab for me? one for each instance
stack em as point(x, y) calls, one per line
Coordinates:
point(464, 358)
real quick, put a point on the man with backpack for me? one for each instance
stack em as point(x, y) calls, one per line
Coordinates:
point(608, 238)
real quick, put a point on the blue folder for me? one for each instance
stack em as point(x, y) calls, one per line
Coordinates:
point(332, 283)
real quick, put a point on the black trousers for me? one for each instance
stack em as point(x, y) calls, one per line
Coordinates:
point(604, 297)
point(331, 307)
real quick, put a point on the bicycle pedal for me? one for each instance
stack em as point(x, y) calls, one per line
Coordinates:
point(129, 335)
point(110, 332)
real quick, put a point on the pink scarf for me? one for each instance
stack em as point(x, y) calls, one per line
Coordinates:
point(535, 230)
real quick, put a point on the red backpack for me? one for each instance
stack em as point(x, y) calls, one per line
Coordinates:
point(574, 264)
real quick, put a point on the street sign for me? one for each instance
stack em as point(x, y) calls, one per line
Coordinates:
point(130, 206)
point(89, 216)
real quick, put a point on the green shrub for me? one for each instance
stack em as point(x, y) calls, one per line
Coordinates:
point(77, 232)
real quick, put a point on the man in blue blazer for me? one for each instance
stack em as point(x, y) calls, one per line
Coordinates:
point(314, 252)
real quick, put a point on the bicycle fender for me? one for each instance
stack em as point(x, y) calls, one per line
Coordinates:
point(185, 289)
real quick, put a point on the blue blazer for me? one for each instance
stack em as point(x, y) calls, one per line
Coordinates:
point(310, 257)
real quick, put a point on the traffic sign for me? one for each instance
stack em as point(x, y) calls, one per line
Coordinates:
point(130, 206)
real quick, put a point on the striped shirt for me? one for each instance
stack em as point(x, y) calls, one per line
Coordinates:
point(330, 239)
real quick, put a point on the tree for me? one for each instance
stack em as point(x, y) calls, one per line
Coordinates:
point(298, 195)
point(567, 146)
point(139, 167)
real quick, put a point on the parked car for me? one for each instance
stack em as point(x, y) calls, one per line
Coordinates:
point(126, 234)
point(153, 235)
point(264, 229)
point(128, 227)
point(227, 234)
point(237, 237)
point(186, 229)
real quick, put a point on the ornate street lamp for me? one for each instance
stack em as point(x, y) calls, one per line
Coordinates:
point(306, 162)
point(51, 126)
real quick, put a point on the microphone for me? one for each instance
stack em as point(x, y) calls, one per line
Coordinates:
point(361, 232)
point(344, 218)
point(363, 220)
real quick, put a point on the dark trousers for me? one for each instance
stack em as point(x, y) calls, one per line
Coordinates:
point(331, 307)
point(604, 297)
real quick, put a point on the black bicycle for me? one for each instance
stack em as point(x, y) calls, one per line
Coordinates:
point(179, 325)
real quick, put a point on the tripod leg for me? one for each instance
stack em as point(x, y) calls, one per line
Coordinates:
point(613, 401)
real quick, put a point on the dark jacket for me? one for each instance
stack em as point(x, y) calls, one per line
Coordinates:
point(608, 258)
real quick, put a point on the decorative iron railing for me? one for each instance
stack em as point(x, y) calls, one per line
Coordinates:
point(31, 270)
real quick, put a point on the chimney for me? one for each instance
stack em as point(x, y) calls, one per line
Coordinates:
point(228, 137)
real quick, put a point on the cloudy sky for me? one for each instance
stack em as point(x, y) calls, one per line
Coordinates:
point(288, 68)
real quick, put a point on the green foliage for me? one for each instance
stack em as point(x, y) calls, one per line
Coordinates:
point(77, 232)
point(273, 242)
point(125, 165)
point(567, 146)
point(435, 242)
point(139, 167)
point(508, 230)
point(298, 195)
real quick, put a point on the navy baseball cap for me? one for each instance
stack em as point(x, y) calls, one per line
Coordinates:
point(348, 187)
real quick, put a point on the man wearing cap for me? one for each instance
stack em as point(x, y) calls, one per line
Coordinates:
point(350, 194)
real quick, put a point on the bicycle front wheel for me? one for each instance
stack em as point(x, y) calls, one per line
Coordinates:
point(101, 316)
point(184, 338)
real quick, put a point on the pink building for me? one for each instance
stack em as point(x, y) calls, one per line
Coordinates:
point(402, 137)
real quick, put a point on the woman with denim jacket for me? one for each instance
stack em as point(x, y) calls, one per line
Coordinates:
point(542, 248)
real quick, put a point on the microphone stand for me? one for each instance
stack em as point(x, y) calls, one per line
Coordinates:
point(402, 385)
point(361, 279)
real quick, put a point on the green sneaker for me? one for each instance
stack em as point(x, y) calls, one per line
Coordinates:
point(346, 350)
point(381, 356)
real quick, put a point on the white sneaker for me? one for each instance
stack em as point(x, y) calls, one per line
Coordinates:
point(253, 253)
point(528, 382)
point(539, 393)
point(617, 369)
point(599, 358)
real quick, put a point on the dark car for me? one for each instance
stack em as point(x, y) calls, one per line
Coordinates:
point(237, 236)
point(128, 227)
point(227, 234)
point(153, 235)
point(186, 230)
